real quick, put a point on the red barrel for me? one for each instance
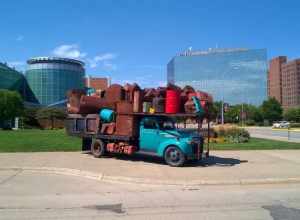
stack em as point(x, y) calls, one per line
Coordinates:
point(172, 101)
point(203, 104)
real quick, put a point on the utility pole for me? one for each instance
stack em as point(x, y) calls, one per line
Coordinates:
point(222, 111)
point(242, 114)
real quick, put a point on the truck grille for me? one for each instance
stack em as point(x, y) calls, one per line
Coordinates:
point(195, 147)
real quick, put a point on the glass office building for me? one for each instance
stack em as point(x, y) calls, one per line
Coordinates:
point(13, 80)
point(233, 75)
point(50, 78)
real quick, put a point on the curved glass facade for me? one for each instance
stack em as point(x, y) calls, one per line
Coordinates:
point(233, 75)
point(51, 78)
point(13, 80)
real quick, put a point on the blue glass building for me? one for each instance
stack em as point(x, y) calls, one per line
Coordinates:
point(51, 77)
point(233, 75)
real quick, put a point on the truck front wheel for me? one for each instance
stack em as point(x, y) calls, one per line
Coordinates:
point(98, 148)
point(174, 156)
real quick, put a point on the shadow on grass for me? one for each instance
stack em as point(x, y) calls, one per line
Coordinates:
point(206, 162)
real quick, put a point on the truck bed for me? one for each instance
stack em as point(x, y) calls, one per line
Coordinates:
point(78, 125)
point(177, 115)
point(89, 125)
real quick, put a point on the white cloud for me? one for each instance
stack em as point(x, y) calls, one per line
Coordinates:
point(106, 56)
point(20, 38)
point(109, 66)
point(103, 60)
point(69, 51)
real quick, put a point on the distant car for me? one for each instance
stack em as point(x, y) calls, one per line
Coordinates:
point(281, 124)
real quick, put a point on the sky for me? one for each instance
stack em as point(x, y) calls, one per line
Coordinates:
point(133, 40)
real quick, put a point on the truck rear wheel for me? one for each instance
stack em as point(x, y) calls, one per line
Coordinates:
point(98, 148)
point(174, 156)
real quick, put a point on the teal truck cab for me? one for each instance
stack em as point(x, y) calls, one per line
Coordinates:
point(155, 135)
point(159, 136)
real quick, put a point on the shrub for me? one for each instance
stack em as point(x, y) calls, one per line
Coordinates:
point(295, 125)
point(232, 133)
point(51, 117)
point(29, 117)
point(292, 114)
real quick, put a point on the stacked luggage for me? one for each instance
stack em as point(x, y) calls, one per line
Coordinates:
point(112, 111)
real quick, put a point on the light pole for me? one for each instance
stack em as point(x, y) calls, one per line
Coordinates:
point(222, 102)
point(227, 70)
point(222, 110)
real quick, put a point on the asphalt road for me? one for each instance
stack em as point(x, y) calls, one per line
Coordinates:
point(269, 133)
point(35, 195)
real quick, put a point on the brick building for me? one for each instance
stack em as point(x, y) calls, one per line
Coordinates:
point(291, 84)
point(284, 81)
point(98, 83)
point(275, 79)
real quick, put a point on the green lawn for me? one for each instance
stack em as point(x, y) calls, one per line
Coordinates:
point(56, 140)
point(37, 140)
point(257, 144)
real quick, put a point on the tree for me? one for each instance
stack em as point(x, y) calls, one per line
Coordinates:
point(271, 110)
point(253, 113)
point(292, 114)
point(257, 115)
point(215, 111)
point(11, 105)
point(29, 117)
point(232, 115)
point(51, 114)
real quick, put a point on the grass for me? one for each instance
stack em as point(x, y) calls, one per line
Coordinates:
point(34, 140)
point(257, 144)
point(56, 140)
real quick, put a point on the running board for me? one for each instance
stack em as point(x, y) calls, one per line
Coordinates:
point(142, 152)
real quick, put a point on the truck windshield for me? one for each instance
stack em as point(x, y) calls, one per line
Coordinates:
point(166, 125)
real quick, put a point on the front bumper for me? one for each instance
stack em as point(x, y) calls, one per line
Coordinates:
point(201, 156)
point(197, 151)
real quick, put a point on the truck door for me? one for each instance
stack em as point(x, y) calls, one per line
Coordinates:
point(149, 135)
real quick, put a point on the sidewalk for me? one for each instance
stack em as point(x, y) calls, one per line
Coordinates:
point(223, 167)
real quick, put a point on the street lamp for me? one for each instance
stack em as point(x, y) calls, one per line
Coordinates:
point(222, 102)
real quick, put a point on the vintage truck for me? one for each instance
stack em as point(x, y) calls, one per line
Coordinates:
point(150, 134)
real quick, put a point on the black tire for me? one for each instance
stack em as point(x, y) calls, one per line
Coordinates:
point(86, 144)
point(98, 148)
point(174, 156)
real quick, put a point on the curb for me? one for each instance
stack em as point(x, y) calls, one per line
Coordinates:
point(150, 182)
point(285, 129)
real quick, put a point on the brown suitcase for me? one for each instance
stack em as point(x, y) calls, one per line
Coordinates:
point(115, 93)
point(126, 125)
point(92, 123)
point(138, 101)
point(124, 107)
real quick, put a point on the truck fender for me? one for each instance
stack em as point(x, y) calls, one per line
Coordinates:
point(163, 146)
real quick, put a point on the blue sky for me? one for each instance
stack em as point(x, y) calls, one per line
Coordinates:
point(134, 40)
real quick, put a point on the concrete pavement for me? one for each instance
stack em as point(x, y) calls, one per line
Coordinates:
point(223, 167)
point(274, 134)
point(34, 195)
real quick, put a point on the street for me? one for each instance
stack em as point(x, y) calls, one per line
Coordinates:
point(275, 134)
point(36, 195)
point(231, 185)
